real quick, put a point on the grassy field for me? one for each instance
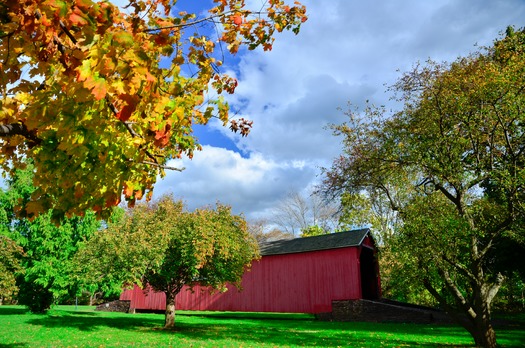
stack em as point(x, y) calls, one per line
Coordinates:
point(64, 326)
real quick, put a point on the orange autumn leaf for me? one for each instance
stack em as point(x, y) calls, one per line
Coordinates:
point(77, 19)
point(129, 106)
point(237, 19)
point(128, 190)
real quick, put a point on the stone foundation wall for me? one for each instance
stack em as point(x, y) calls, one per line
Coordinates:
point(373, 311)
point(115, 306)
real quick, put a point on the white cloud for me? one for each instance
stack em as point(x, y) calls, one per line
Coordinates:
point(346, 51)
point(249, 185)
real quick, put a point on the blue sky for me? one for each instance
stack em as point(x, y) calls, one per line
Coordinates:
point(347, 51)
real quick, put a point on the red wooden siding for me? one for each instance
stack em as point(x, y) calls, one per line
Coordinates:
point(304, 282)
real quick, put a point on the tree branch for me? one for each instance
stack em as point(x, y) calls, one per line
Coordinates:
point(134, 134)
point(458, 296)
point(206, 19)
point(7, 130)
point(162, 166)
point(495, 233)
point(12, 129)
point(493, 290)
point(466, 322)
point(460, 268)
point(393, 205)
point(176, 26)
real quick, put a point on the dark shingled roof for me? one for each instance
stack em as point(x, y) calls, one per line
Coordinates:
point(323, 242)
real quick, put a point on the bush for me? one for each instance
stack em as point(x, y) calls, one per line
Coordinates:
point(35, 297)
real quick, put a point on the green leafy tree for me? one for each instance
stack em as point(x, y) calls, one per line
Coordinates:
point(118, 255)
point(314, 230)
point(102, 98)
point(460, 142)
point(10, 266)
point(48, 248)
point(206, 247)
point(162, 246)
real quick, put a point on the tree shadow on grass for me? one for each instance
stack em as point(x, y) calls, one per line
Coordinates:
point(8, 310)
point(91, 321)
point(80, 313)
point(223, 329)
point(220, 331)
point(248, 315)
point(301, 329)
point(286, 333)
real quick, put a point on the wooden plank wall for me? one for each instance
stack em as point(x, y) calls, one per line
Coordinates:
point(295, 283)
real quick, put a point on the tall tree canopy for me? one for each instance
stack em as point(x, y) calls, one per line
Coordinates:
point(101, 98)
point(165, 247)
point(457, 149)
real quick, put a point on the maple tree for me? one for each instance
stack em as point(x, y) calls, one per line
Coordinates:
point(451, 163)
point(100, 98)
point(164, 247)
point(208, 247)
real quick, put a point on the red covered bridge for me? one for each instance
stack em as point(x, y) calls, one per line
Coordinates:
point(302, 275)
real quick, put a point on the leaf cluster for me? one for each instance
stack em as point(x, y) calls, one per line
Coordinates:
point(101, 99)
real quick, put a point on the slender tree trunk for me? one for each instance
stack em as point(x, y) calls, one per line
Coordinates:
point(169, 322)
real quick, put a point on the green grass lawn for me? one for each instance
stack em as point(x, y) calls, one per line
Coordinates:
point(64, 326)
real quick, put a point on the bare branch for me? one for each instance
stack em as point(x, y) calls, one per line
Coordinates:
point(162, 166)
point(177, 26)
point(198, 21)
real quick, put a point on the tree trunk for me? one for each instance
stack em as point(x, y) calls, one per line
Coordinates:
point(169, 322)
point(482, 330)
point(474, 317)
point(485, 336)
point(479, 326)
